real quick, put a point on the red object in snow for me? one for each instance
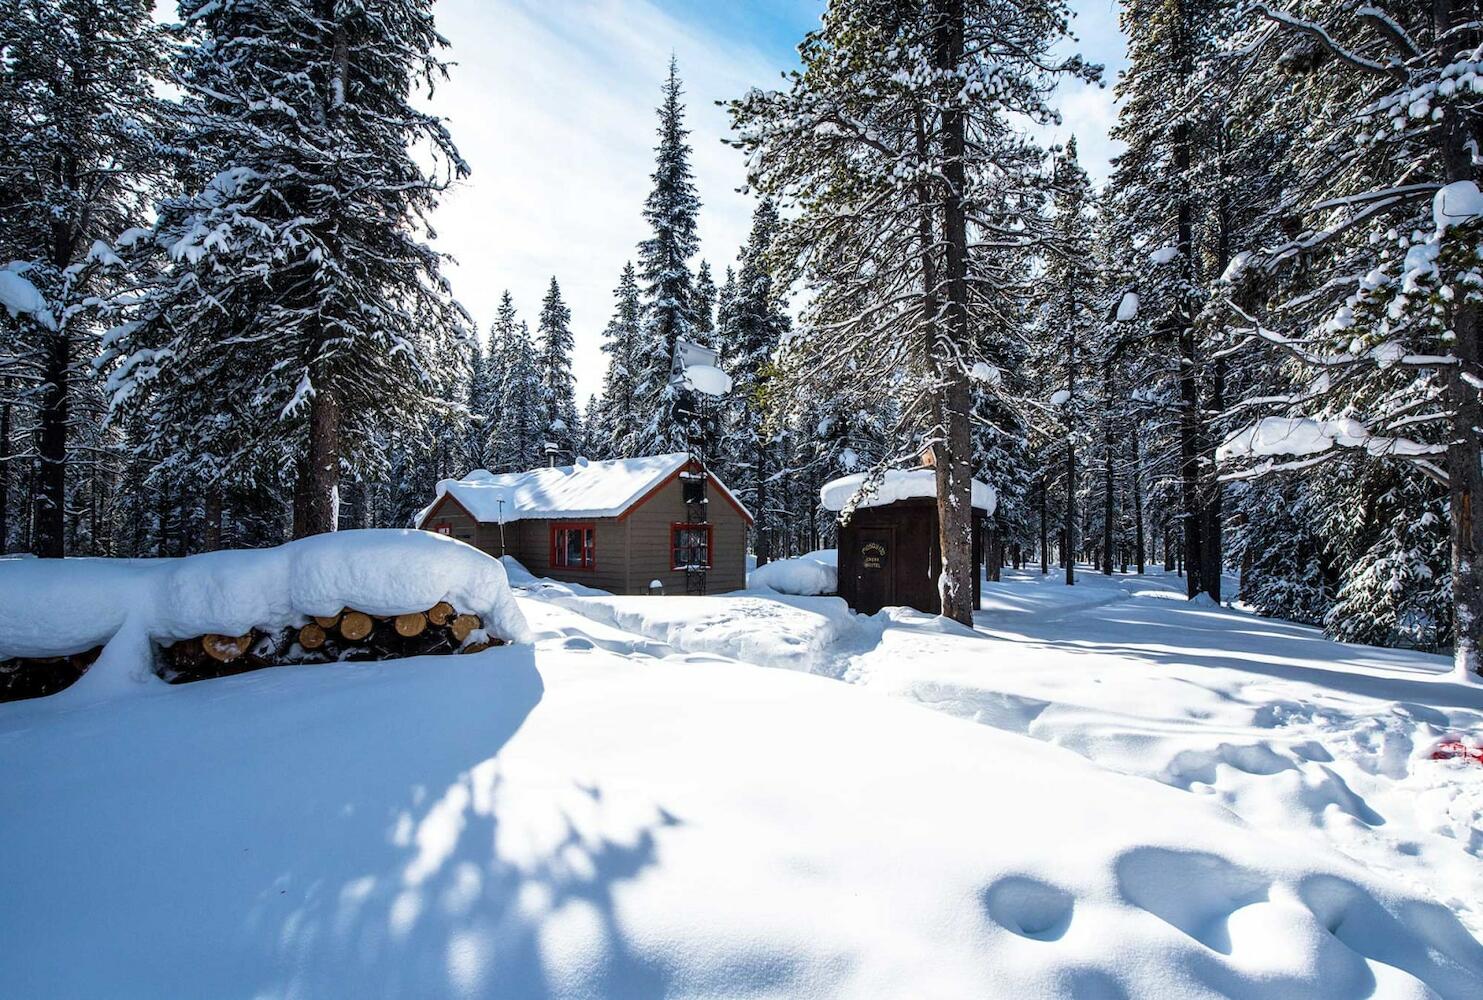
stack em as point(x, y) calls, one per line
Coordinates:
point(1453, 749)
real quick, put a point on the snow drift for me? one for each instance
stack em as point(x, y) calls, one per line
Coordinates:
point(807, 575)
point(59, 607)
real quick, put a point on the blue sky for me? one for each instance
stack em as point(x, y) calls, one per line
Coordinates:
point(552, 103)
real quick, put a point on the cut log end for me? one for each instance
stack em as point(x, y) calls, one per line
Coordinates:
point(312, 635)
point(411, 624)
point(355, 625)
point(440, 614)
point(463, 625)
point(225, 648)
point(327, 622)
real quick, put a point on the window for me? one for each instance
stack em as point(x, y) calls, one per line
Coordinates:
point(573, 546)
point(443, 528)
point(690, 545)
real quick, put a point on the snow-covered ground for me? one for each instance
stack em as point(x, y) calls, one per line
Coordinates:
point(1300, 736)
point(623, 809)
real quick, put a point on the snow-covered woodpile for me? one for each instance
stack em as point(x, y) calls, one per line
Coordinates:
point(351, 595)
point(349, 635)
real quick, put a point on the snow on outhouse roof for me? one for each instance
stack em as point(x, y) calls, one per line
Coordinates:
point(898, 484)
point(584, 490)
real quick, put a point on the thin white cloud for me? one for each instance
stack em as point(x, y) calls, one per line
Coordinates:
point(552, 104)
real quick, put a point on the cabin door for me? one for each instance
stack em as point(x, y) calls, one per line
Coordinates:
point(875, 569)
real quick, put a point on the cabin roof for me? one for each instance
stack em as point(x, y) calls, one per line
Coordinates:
point(582, 490)
point(896, 484)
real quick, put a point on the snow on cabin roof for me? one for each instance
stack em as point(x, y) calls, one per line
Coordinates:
point(898, 484)
point(586, 489)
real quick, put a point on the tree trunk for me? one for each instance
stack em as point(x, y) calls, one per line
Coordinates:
point(1108, 498)
point(1137, 497)
point(953, 399)
point(317, 497)
point(1464, 472)
point(1044, 537)
point(51, 486)
point(5, 474)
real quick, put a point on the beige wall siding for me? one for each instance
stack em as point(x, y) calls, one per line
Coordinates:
point(649, 542)
point(460, 525)
point(531, 544)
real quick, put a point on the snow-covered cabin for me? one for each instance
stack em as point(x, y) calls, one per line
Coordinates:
point(615, 525)
point(888, 551)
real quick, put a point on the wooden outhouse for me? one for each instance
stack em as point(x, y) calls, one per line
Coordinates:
point(619, 526)
point(889, 553)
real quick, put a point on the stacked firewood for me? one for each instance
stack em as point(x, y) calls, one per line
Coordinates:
point(35, 677)
point(349, 635)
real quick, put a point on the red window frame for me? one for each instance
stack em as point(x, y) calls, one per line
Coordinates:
point(443, 528)
point(676, 527)
point(559, 549)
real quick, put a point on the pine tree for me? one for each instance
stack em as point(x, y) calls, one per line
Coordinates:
point(482, 407)
point(668, 287)
point(756, 324)
point(1381, 320)
point(293, 277)
point(79, 146)
point(893, 134)
point(562, 424)
point(523, 404)
point(622, 343)
point(705, 306)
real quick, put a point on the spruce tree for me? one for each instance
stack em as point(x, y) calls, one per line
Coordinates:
point(894, 134)
point(622, 343)
point(668, 287)
point(756, 324)
point(1381, 318)
point(705, 306)
point(80, 144)
point(293, 274)
point(562, 424)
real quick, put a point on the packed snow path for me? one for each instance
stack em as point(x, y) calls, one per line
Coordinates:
point(1300, 736)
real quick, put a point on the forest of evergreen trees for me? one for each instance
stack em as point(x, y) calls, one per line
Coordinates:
point(1252, 353)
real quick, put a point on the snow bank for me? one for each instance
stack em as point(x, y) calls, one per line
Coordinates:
point(1309, 740)
point(898, 484)
point(581, 823)
point(58, 607)
point(807, 575)
point(768, 629)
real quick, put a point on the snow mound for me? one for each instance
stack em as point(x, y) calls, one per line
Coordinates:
point(57, 607)
point(767, 629)
point(807, 575)
point(1163, 255)
point(1127, 308)
point(897, 484)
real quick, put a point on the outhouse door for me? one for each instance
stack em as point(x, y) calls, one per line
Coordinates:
point(875, 569)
